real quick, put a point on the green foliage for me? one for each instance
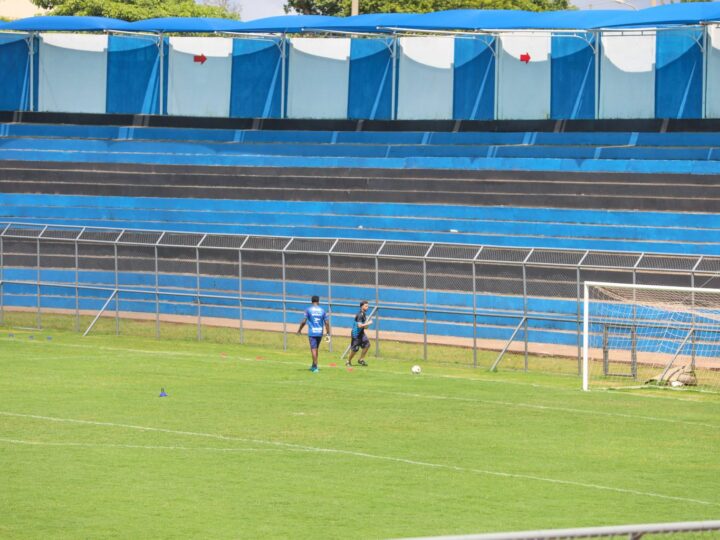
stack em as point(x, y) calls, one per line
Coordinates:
point(342, 7)
point(134, 10)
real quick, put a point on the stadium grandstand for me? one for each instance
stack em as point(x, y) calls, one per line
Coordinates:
point(468, 172)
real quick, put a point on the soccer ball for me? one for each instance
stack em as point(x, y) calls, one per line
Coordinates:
point(676, 384)
point(416, 370)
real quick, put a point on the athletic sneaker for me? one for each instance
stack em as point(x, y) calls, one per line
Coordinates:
point(314, 369)
point(362, 363)
point(347, 363)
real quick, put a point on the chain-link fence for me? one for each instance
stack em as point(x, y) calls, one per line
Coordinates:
point(446, 302)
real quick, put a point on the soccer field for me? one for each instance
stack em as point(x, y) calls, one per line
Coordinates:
point(250, 444)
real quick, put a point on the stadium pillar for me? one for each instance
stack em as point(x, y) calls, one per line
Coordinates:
point(283, 77)
point(161, 74)
point(393, 89)
point(31, 76)
point(598, 46)
point(705, 43)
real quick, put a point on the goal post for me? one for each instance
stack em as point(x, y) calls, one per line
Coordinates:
point(638, 335)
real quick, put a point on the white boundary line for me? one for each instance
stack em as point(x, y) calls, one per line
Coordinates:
point(365, 455)
point(137, 446)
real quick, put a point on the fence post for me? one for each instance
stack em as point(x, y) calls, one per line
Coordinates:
point(525, 305)
point(240, 294)
point(329, 286)
point(377, 306)
point(197, 291)
point(39, 314)
point(157, 292)
point(284, 303)
point(425, 329)
point(474, 308)
point(77, 281)
point(117, 288)
point(2, 278)
point(578, 280)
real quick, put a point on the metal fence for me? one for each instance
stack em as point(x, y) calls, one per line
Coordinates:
point(479, 297)
point(630, 532)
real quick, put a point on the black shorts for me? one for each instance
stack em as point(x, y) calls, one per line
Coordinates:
point(360, 342)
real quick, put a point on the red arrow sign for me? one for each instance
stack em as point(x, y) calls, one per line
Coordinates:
point(200, 59)
point(525, 57)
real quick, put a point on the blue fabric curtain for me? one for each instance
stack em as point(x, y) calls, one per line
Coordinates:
point(572, 73)
point(256, 79)
point(370, 79)
point(15, 73)
point(678, 74)
point(474, 79)
point(133, 75)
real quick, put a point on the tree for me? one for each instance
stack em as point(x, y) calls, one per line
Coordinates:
point(135, 10)
point(342, 7)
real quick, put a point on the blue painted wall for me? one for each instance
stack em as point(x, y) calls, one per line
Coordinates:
point(14, 73)
point(256, 76)
point(370, 79)
point(474, 79)
point(139, 93)
point(256, 79)
point(679, 74)
point(572, 74)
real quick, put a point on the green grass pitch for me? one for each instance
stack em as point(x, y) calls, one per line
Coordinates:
point(250, 444)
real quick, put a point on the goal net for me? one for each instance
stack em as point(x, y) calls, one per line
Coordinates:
point(637, 335)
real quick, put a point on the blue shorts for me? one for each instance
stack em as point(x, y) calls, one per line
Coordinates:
point(314, 341)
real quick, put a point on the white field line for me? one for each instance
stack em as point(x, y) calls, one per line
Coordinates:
point(365, 455)
point(512, 404)
point(138, 446)
point(606, 414)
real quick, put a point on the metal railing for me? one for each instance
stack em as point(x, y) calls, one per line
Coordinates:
point(631, 532)
point(477, 295)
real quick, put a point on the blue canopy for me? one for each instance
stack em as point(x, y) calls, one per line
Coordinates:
point(502, 19)
point(670, 15)
point(468, 19)
point(288, 24)
point(368, 23)
point(205, 25)
point(575, 20)
point(66, 24)
point(691, 13)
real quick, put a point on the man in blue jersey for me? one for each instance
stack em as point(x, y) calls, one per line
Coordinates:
point(359, 338)
point(315, 318)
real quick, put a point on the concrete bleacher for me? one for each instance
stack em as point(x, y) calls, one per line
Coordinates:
point(513, 188)
point(600, 190)
point(631, 152)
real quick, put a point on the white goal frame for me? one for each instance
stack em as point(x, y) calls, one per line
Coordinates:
point(586, 313)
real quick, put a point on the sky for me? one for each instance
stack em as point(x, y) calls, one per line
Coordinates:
point(256, 9)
